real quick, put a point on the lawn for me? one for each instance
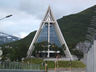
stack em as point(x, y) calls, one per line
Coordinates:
point(59, 64)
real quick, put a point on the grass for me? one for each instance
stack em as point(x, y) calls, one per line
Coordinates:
point(34, 60)
point(60, 64)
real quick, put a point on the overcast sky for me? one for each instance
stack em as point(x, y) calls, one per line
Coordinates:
point(27, 14)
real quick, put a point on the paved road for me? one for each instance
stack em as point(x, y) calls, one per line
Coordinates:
point(14, 70)
point(66, 71)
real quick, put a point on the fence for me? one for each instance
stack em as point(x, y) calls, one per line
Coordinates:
point(19, 67)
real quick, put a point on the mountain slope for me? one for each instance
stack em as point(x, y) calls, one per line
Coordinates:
point(74, 28)
point(5, 38)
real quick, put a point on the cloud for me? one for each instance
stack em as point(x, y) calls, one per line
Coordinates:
point(21, 34)
point(27, 14)
point(59, 7)
point(19, 22)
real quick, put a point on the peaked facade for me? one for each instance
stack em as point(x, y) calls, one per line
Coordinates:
point(49, 31)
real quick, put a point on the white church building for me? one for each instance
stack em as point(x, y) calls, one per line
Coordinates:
point(49, 31)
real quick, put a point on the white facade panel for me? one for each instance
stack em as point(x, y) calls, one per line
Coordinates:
point(91, 59)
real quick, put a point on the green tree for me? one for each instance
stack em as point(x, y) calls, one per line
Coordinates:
point(79, 54)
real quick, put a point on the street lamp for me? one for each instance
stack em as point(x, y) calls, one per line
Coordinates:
point(6, 17)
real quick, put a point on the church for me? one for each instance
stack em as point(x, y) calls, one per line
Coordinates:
point(48, 41)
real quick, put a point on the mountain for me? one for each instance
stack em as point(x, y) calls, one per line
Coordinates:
point(74, 28)
point(5, 38)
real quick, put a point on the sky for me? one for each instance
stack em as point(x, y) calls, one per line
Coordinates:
point(28, 14)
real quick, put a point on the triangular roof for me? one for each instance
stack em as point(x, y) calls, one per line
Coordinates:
point(48, 15)
point(49, 18)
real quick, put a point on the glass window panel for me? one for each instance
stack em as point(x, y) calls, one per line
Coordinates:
point(53, 36)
